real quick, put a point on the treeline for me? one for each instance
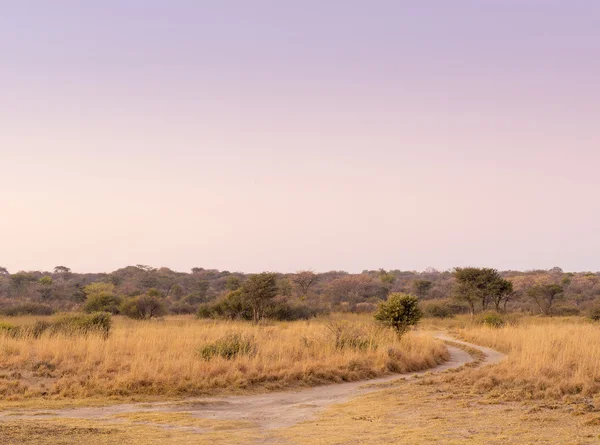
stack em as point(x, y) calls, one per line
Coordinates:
point(143, 292)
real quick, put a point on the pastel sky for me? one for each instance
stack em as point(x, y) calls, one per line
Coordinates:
point(281, 135)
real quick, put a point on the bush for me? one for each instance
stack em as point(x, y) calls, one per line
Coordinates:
point(235, 307)
point(228, 347)
point(566, 311)
point(82, 324)
point(491, 319)
point(143, 307)
point(27, 309)
point(231, 307)
point(9, 329)
point(400, 312)
point(102, 303)
point(283, 311)
point(182, 308)
point(595, 313)
point(437, 309)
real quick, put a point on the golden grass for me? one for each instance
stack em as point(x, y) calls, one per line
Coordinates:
point(547, 358)
point(160, 358)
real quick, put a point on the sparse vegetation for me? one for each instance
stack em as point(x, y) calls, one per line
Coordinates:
point(185, 356)
point(400, 312)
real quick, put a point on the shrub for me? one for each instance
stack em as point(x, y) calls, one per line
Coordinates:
point(181, 308)
point(283, 311)
point(232, 307)
point(595, 313)
point(400, 312)
point(9, 329)
point(228, 347)
point(27, 309)
point(437, 309)
point(491, 319)
point(143, 307)
point(82, 324)
point(102, 303)
point(566, 311)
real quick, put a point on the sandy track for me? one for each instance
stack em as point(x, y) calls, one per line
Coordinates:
point(269, 410)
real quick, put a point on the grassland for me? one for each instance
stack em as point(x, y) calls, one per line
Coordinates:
point(557, 359)
point(165, 358)
point(545, 392)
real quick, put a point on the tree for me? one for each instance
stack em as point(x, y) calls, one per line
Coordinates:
point(421, 287)
point(45, 288)
point(62, 270)
point(100, 297)
point(4, 271)
point(386, 278)
point(545, 295)
point(258, 292)
point(400, 312)
point(304, 279)
point(284, 287)
point(501, 291)
point(21, 280)
point(233, 283)
point(143, 307)
point(479, 285)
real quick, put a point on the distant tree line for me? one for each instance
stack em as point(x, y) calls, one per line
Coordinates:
point(143, 291)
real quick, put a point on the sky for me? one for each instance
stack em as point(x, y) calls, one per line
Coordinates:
point(284, 135)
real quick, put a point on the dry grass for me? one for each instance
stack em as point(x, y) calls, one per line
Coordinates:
point(547, 358)
point(160, 358)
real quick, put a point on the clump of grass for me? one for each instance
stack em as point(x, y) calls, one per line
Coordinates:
point(229, 347)
point(82, 324)
point(351, 336)
point(491, 319)
point(70, 325)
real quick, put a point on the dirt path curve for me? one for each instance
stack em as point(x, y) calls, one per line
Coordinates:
point(269, 410)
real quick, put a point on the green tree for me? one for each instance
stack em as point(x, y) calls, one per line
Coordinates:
point(101, 297)
point(421, 287)
point(21, 280)
point(45, 287)
point(284, 287)
point(545, 295)
point(501, 291)
point(259, 291)
point(400, 312)
point(232, 283)
point(481, 285)
point(386, 278)
point(143, 307)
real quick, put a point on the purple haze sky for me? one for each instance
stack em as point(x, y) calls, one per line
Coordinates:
point(283, 135)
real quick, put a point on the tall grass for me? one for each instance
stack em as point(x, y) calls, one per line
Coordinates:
point(162, 358)
point(547, 358)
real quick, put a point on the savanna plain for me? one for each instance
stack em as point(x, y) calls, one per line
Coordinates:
point(546, 391)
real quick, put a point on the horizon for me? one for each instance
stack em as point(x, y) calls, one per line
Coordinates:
point(428, 270)
point(279, 136)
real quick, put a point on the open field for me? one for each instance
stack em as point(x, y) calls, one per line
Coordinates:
point(543, 393)
point(169, 358)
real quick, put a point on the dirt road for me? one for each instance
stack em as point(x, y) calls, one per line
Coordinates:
point(270, 410)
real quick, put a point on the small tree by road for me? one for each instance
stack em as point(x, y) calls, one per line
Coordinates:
point(400, 312)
